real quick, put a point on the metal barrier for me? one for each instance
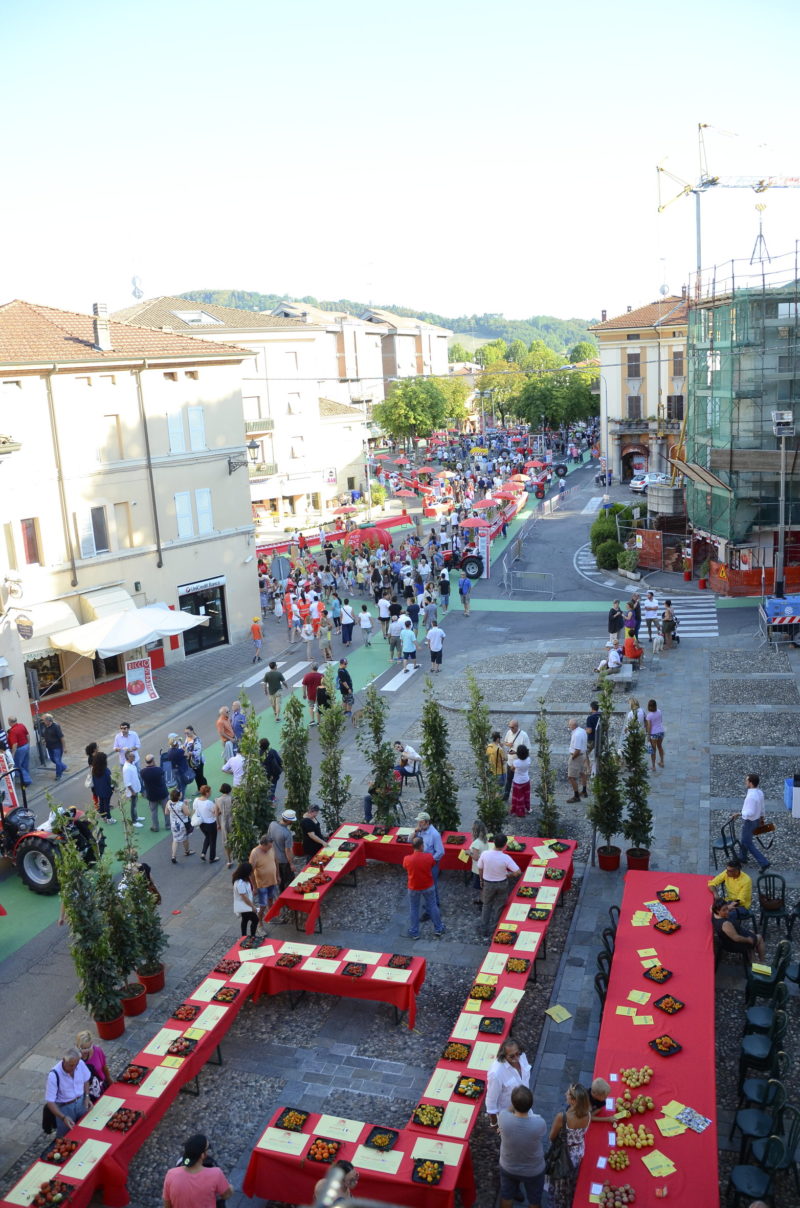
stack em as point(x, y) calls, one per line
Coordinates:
point(510, 580)
point(539, 582)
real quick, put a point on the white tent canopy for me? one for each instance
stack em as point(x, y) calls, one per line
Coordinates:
point(124, 631)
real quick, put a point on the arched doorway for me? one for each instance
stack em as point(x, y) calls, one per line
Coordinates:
point(634, 461)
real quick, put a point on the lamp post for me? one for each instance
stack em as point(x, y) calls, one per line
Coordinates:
point(482, 394)
point(236, 463)
point(782, 426)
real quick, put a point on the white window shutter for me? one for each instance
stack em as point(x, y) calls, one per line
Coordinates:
point(205, 515)
point(177, 440)
point(183, 513)
point(197, 428)
point(86, 534)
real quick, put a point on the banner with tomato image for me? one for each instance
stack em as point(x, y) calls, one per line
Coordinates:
point(139, 681)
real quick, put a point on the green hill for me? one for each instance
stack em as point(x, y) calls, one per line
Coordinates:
point(558, 334)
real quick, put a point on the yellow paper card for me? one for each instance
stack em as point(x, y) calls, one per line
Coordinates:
point(518, 911)
point(339, 1129)
point(442, 1084)
point(195, 1033)
point(464, 857)
point(432, 1150)
point(646, 952)
point(466, 1027)
point(482, 1055)
point(101, 1113)
point(538, 862)
point(658, 1164)
point(281, 1140)
point(558, 1013)
point(374, 1159)
point(386, 838)
point(533, 876)
point(361, 957)
point(317, 964)
point(650, 962)
point(509, 926)
point(626, 1011)
point(85, 1159)
point(157, 1082)
point(384, 973)
point(507, 1000)
point(765, 970)
point(528, 941)
point(157, 1048)
point(371, 838)
point(456, 1121)
point(486, 979)
point(643, 1019)
point(495, 962)
point(640, 996)
point(474, 1005)
point(293, 948)
point(326, 851)
point(209, 1018)
point(244, 975)
point(669, 1127)
point(641, 919)
point(673, 1108)
point(547, 895)
point(312, 897)
point(173, 1063)
point(207, 989)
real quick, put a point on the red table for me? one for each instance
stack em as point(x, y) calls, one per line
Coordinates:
point(293, 1176)
point(311, 904)
point(689, 1076)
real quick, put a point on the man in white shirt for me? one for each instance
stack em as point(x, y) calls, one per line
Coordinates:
point(383, 615)
point(435, 641)
point(126, 740)
point(514, 737)
point(494, 869)
point(67, 1090)
point(752, 815)
point(577, 761)
point(235, 765)
point(396, 627)
point(650, 610)
point(133, 784)
point(613, 660)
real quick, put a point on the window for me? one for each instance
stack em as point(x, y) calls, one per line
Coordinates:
point(677, 362)
point(634, 365)
point(290, 363)
point(183, 513)
point(111, 450)
point(786, 364)
point(197, 428)
point(205, 518)
point(634, 406)
point(170, 376)
point(675, 406)
point(193, 374)
point(351, 484)
point(30, 541)
point(633, 336)
point(293, 404)
point(298, 447)
point(122, 523)
point(197, 318)
point(177, 439)
point(92, 530)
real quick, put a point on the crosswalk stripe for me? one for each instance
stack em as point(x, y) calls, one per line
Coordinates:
point(259, 675)
point(592, 506)
point(395, 682)
point(295, 670)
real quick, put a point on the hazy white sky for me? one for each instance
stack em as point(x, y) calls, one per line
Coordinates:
point(458, 157)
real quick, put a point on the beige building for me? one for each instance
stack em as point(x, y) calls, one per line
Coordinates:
point(411, 347)
point(126, 485)
point(642, 385)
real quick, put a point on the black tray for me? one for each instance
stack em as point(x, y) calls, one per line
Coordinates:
point(518, 972)
point(143, 1072)
point(538, 914)
point(424, 1123)
point(184, 1040)
point(676, 1048)
point(399, 961)
point(668, 895)
point(558, 848)
point(467, 1046)
point(673, 927)
point(473, 1094)
point(554, 874)
point(252, 941)
point(492, 1025)
point(328, 1141)
point(227, 967)
point(658, 981)
point(225, 991)
point(391, 1133)
point(347, 846)
point(290, 960)
point(663, 999)
point(486, 995)
point(455, 840)
point(415, 1178)
point(296, 1128)
point(527, 891)
point(186, 1006)
point(354, 969)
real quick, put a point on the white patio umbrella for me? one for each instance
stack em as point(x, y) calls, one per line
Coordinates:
point(124, 631)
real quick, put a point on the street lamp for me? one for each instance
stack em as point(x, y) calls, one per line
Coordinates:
point(782, 426)
point(482, 394)
point(236, 463)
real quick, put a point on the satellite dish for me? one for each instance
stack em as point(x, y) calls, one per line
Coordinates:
point(663, 290)
point(137, 290)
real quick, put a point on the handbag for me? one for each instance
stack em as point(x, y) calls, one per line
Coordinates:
point(765, 828)
point(557, 1162)
point(195, 819)
point(87, 784)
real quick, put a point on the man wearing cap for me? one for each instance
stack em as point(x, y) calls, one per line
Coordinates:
point(312, 834)
point(432, 844)
point(283, 841)
point(18, 741)
point(53, 737)
point(126, 740)
point(419, 868)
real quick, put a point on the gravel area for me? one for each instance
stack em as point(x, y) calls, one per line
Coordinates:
point(511, 664)
point(783, 855)
point(573, 688)
point(728, 773)
point(766, 729)
point(581, 664)
point(755, 690)
point(495, 689)
point(745, 662)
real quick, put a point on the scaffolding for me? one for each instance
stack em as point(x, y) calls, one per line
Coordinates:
point(743, 364)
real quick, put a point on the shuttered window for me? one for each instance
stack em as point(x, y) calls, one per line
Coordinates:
point(183, 513)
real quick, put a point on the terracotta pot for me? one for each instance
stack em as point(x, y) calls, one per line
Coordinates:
point(110, 1029)
point(135, 1004)
point(638, 858)
point(608, 858)
point(687, 576)
point(702, 584)
point(152, 982)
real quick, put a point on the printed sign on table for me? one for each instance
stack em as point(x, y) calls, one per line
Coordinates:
point(139, 681)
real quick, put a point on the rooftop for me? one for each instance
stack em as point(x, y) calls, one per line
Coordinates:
point(374, 314)
point(182, 315)
point(328, 409)
point(673, 309)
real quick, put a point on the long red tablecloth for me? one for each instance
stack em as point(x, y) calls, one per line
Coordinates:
point(311, 904)
point(688, 1077)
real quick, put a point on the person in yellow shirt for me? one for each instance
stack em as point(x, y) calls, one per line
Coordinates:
point(497, 758)
point(737, 886)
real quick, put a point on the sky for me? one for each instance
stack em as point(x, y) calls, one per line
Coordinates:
point(454, 157)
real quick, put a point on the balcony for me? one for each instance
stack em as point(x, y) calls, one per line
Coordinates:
point(252, 427)
point(262, 469)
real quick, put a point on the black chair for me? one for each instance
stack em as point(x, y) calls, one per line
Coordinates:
point(740, 952)
point(604, 963)
point(613, 914)
point(793, 916)
point(762, 985)
point(727, 843)
point(790, 1135)
point(608, 937)
point(757, 1092)
point(757, 1051)
point(748, 1183)
point(759, 1017)
point(758, 1123)
point(771, 889)
point(601, 988)
point(415, 774)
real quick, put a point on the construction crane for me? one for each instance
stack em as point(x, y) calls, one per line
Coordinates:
point(759, 184)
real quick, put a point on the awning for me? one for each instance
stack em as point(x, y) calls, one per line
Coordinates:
point(698, 474)
point(126, 630)
point(105, 603)
point(54, 617)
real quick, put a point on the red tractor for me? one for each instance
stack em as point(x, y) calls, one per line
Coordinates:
point(32, 848)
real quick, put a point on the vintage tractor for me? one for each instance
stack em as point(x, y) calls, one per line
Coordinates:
point(32, 848)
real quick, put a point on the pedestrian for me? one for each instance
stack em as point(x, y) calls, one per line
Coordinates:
point(497, 759)
point(521, 781)
point(650, 610)
point(574, 1119)
point(308, 636)
point(67, 1091)
point(348, 622)
point(177, 814)
point(102, 785)
point(311, 683)
point(509, 1070)
point(89, 750)
point(238, 722)
point(419, 866)
point(126, 740)
point(193, 750)
point(132, 784)
point(668, 624)
point(477, 847)
point(176, 757)
point(435, 641)
point(752, 815)
point(195, 1181)
point(325, 635)
point(577, 761)
point(206, 810)
point(615, 621)
point(384, 604)
point(154, 787)
point(431, 842)
point(224, 804)
point(53, 737)
point(512, 738)
point(18, 740)
point(365, 624)
point(271, 761)
point(654, 724)
point(408, 644)
point(236, 766)
point(264, 875)
point(495, 866)
point(95, 1061)
point(274, 681)
point(464, 589)
point(257, 634)
point(590, 725)
point(313, 841)
point(225, 731)
point(283, 847)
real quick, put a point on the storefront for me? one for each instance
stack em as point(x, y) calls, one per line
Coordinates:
point(635, 459)
point(206, 598)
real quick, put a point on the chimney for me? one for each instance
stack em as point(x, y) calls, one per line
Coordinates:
point(102, 327)
point(630, 308)
point(683, 292)
point(603, 315)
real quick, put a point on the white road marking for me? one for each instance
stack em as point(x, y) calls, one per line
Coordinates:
point(592, 506)
point(259, 675)
point(396, 681)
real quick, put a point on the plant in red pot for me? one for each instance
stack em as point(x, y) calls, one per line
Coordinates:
point(637, 826)
point(606, 805)
point(145, 920)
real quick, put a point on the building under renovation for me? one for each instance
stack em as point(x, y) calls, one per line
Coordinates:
point(743, 368)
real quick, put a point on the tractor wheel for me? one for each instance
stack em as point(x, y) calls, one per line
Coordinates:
point(539, 492)
point(473, 566)
point(35, 859)
point(560, 470)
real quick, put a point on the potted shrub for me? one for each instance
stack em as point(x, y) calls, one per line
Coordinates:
point(637, 826)
point(123, 939)
point(628, 562)
point(702, 575)
point(146, 921)
point(605, 808)
point(687, 570)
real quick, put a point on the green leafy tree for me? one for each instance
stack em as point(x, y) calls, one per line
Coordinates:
point(456, 392)
point(255, 791)
point(378, 495)
point(122, 937)
point(90, 948)
point(489, 797)
point(441, 792)
point(412, 409)
point(380, 756)
point(294, 753)
point(334, 785)
point(457, 352)
point(584, 350)
point(145, 920)
point(546, 782)
point(494, 350)
point(505, 380)
point(638, 824)
point(517, 351)
point(606, 804)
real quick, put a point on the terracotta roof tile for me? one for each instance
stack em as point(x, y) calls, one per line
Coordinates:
point(31, 334)
point(160, 312)
point(672, 309)
point(400, 322)
point(328, 409)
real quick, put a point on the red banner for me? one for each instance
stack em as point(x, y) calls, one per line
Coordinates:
point(139, 681)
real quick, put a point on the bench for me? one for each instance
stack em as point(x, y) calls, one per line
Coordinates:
point(623, 676)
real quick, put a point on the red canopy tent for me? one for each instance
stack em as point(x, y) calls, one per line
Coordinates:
point(474, 522)
point(373, 537)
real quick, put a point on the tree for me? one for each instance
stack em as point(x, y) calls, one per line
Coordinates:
point(494, 350)
point(379, 754)
point(145, 921)
point(505, 381)
point(90, 948)
point(517, 351)
point(457, 352)
point(605, 807)
point(489, 797)
point(334, 787)
point(584, 350)
point(256, 788)
point(122, 936)
point(294, 753)
point(638, 824)
point(441, 793)
point(546, 783)
point(413, 408)
point(456, 392)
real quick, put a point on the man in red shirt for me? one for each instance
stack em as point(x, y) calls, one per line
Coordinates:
point(311, 682)
point(421, 889)
point(18, 741)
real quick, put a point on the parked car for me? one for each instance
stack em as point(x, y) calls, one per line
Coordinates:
point(641, 482)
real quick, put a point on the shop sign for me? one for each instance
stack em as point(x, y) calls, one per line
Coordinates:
point(139, 681)
point(188, 589)
point(24, 627)
point(329, 476)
